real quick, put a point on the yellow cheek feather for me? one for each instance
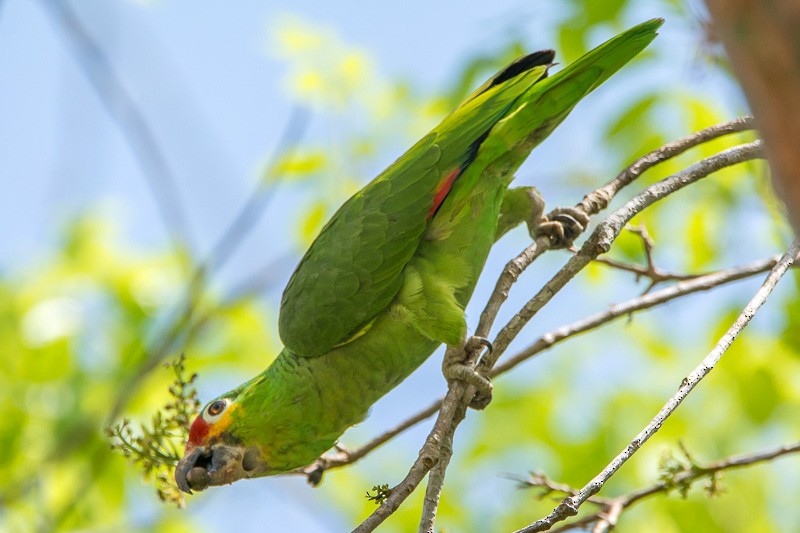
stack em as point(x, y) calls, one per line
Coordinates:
point(224, 422)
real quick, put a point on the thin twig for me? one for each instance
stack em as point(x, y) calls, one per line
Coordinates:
point(261, 195)
point(651, 271)
point(592, 204)
point(703, 282)
point(123, 109)
point(540, 480)
point(344, 456)
point(569, 506)
point(606, 232)
point(459, 394)
point(646, 301)
point(608, 516)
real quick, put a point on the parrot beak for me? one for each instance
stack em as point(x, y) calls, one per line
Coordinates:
point(218, 464)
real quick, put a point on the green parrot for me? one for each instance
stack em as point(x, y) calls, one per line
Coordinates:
point(386, 281)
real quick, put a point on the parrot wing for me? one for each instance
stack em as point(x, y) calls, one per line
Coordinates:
point(354, 268)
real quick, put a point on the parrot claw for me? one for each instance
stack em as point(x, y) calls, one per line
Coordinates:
point(475, 342)
point(562, 226)
point(457, 370)
point(467, 374)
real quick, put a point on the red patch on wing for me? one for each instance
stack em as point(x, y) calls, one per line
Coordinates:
point(444, 187)
point(198, 432)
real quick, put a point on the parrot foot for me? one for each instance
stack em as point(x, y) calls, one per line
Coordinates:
point(562, 226)
point(458, 370)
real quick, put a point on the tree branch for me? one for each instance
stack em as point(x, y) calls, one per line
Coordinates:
point(132, 122)
point(606, 232)
point(459, 394)
point(591, 206)
point(651, 271)
point(646, 301)
point(343, 456)
point(611, 508)
point(569, 506)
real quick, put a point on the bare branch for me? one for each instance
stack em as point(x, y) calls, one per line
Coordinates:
point(433, 491)
point(605, 233)
point(646, 301)
point(612, 508)
point(569, 506)
point(453, 410)
point(540, 480)
point(593, 203)
point(260, 197)
point(123, 109)
point(459, 393)
point(653, 273)
point(664, 153)
point(343, 457)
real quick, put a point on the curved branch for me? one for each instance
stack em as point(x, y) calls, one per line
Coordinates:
point(605, 233)
point(123, 109)
point(611, 508)
point(569, 506)
point(343, 457)
point(592, 204)
point(459, 393)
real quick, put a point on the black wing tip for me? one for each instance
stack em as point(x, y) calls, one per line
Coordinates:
point(523, 64)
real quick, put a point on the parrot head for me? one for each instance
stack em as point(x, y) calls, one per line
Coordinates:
point(215, 453)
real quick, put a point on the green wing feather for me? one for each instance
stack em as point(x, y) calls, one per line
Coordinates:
point(353, 269)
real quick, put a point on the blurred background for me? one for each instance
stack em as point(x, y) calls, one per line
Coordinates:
point(133, 136)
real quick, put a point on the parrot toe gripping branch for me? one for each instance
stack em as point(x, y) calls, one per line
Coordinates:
point(386, 281)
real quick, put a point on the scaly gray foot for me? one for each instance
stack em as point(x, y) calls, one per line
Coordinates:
point(562, 226)
point(457, 369)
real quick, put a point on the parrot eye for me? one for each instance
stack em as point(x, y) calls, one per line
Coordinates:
point(215, 410)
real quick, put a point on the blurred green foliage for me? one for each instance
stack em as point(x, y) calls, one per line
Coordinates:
point(83, 337)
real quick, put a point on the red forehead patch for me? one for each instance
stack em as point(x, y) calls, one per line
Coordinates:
point(198, 432)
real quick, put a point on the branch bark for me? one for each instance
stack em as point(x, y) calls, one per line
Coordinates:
point(569, 506)
point(459, 394)
point(589, 205)
point(704, 282)
point(611, 509)
point(600, 240)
